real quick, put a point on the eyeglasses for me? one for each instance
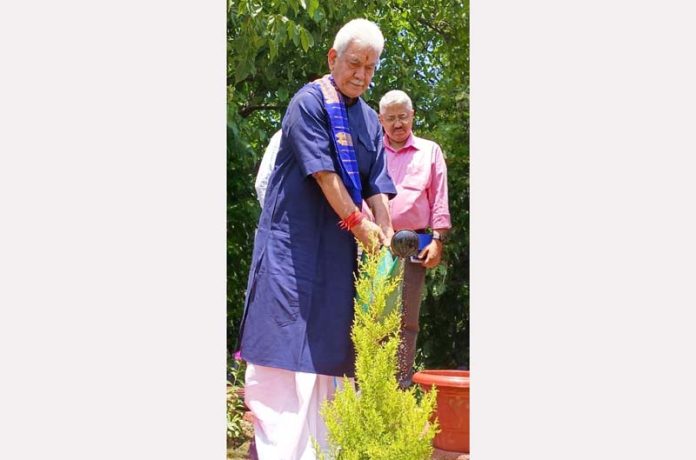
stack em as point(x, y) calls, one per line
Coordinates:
point(403, 118)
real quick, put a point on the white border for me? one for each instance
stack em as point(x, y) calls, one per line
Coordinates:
point(112, 245)
point(583, 153)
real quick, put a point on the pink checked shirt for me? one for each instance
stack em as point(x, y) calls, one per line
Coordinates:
point(419, 172)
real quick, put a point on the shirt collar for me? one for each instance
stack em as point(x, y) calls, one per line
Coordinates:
point(409, 145)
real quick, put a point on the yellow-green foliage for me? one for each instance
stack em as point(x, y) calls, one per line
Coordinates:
point(378, 421)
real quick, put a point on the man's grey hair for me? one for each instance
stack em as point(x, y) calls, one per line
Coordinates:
point(359, 29)
point(395, 96)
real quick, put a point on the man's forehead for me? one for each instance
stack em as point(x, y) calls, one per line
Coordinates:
point(361, 51)
point(397, 107)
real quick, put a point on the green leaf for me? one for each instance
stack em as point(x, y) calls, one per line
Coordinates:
point(273, 47)
point(244, 68)
point(291, 30)
point(318, 15)
point(296, 36)
point(312, 7)
point(293, 5)
point(304, 40)
point(281, 32)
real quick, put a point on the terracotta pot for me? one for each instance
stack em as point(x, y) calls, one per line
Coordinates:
point(452, 406)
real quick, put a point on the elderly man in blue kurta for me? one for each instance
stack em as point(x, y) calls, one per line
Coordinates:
point(299, 308)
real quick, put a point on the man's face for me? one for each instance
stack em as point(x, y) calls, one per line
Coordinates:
point(397, 121)
point(353, 69)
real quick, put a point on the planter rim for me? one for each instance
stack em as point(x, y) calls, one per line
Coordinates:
point(442, 378)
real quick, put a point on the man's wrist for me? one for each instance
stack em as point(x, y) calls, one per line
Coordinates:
point(352, 220)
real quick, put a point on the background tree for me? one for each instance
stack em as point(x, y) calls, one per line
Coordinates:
point(275, 47)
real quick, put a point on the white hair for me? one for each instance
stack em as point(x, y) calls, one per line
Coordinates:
point(395, 96)
point(359, 29)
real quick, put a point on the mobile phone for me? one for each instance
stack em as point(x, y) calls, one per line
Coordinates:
point(424, 239)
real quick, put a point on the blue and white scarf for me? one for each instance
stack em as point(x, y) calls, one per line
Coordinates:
point(335, 105)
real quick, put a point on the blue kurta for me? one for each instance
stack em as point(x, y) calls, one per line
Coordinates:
point(299, 305)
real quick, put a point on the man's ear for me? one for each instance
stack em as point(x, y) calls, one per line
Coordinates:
point(331, 57)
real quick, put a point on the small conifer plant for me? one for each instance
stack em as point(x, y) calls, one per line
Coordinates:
point(378, 421)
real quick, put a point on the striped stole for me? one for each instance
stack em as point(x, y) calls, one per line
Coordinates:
point(342, 140)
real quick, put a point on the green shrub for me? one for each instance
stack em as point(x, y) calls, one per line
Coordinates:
point(235, 403)
point(379, 421)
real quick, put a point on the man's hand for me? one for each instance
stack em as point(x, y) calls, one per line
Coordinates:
point(432, 254)
point(388, 234)
point(369, 234)
point(379, 205)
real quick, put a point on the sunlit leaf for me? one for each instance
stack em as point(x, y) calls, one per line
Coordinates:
point(312, 7)
point(304, 40)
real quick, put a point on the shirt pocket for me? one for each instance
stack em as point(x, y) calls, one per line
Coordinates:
point(416, 177)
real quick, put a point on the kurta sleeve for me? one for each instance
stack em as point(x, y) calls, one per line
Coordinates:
point(308, 133)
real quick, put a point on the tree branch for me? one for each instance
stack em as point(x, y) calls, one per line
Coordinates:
point(249, 109)
point(444, 33)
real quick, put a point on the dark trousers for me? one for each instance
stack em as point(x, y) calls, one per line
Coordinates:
point(411, 293)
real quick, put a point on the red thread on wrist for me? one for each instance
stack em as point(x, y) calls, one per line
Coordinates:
point(351, 220)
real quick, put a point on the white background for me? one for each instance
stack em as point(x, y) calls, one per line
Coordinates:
point(112, 230)
point(583, 235)
point(112, 234)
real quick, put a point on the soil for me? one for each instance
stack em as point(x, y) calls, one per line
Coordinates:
point(242, 451)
